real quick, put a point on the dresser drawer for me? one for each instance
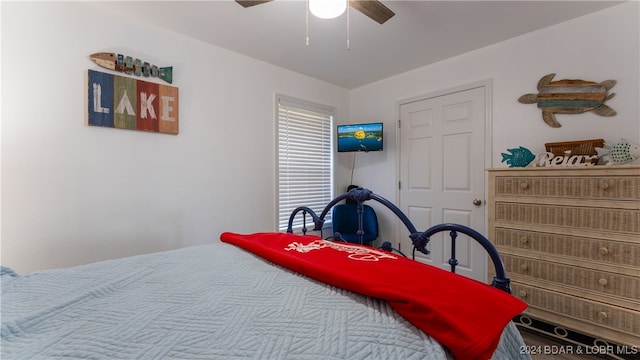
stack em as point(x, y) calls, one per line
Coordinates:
point(583, 278)
point(591, 187)
point(574, 217)
point(595, 313)
point(613, 317)
point(582, 248)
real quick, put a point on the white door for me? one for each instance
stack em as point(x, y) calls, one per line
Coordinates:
point(442, 174)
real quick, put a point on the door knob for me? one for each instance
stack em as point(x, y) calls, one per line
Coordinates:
point(477, 202)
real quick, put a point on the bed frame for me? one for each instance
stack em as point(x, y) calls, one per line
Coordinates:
point(419, 239)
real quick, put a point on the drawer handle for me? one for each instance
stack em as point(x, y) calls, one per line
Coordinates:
point(522, 294)
point(602, 315)
point(524, 185)
point(603, 251)
point(524, 267)
point(524, 240)
point(604, 186)
point(603, 282)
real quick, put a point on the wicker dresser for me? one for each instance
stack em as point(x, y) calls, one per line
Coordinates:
point(570, 240)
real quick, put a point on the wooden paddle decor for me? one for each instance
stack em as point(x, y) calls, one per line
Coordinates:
point(570, 97)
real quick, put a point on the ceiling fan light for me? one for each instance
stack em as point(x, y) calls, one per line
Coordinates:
point(327, 9)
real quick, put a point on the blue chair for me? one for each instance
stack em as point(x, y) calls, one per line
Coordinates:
point(344, 223)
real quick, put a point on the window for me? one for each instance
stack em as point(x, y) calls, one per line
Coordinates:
point(305, 159)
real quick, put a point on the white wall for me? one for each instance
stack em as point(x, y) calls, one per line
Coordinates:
point(603, 45)
point(73, 194)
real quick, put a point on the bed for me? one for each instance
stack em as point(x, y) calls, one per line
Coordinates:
point(236, 299)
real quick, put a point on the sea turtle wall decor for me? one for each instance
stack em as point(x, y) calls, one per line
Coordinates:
point(570, 97)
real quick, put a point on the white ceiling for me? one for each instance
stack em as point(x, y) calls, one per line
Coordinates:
point(421, 32)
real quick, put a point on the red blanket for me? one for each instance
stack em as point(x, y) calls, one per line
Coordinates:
point(464, 315)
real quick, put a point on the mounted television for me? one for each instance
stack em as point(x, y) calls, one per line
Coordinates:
point(360, 137)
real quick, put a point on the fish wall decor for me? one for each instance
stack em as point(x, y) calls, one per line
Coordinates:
point(129, 65)
point(518, 157)
point(570, 97)
point(622, 152)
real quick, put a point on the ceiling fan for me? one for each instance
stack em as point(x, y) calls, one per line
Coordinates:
point(371, 8)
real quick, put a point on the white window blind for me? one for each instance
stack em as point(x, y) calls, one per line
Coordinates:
point(305, 159)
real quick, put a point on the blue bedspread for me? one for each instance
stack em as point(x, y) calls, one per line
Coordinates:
point(205, 302)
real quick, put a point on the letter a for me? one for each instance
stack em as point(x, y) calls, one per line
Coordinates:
point(125, 104)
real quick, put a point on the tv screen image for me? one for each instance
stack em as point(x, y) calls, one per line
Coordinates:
point(360, 137)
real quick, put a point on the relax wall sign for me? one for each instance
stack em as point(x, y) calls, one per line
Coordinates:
point(126, 103)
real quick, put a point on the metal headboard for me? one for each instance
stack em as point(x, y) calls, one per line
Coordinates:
point(419, 239)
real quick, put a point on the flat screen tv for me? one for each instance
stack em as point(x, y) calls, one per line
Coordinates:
point(360, 137)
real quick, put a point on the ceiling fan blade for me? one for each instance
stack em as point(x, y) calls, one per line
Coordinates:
point(373, 9)
point(249, 3)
